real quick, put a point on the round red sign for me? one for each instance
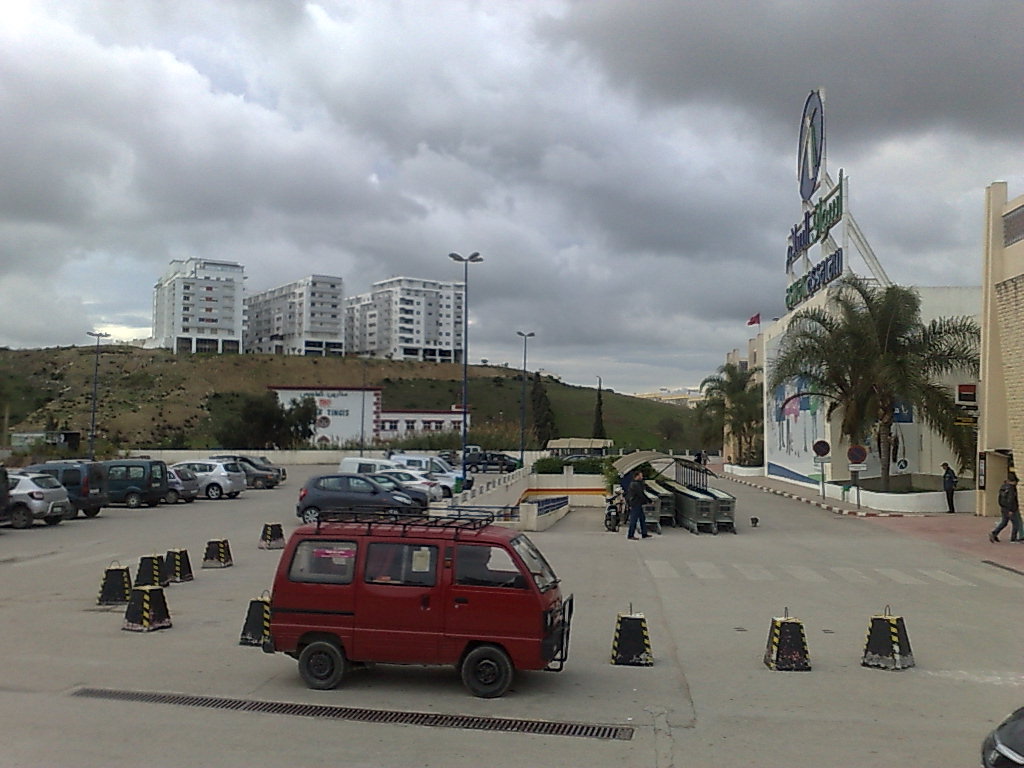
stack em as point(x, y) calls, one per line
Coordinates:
point(857, 454)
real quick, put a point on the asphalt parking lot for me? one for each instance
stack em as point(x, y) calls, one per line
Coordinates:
point(707, 700)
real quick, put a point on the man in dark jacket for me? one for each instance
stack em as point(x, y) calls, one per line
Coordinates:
point(948, 485)
point(636, 497)
point(1009, 508)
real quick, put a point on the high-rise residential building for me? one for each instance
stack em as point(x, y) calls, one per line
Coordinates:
point(198, 307)
point(306, 317)
point(406, 318)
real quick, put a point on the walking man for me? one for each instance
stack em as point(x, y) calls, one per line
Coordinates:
point(948, 485)
point(1009, 509)
point(636, 497)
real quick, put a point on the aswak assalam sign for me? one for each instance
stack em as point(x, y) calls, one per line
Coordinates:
point(816, 224)
point(823, 273)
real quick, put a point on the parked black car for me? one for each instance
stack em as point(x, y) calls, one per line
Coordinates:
point(84, 480)
point(488, 461)
point(280, 471)
point(390, 484)
point(348, 491)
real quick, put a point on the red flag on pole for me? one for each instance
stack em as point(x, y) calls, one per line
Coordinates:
point(755, 319)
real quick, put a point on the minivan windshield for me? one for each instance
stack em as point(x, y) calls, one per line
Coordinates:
point(538, 567)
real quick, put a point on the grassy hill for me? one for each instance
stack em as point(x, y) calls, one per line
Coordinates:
point(147, 398)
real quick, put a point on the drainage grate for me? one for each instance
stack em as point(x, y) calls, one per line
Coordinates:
point(469, 722)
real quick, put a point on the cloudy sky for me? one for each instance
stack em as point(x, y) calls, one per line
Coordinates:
point(626, 168)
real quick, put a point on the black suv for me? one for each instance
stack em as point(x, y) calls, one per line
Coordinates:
point(85, 481)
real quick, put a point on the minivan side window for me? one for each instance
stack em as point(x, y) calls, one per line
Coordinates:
point(324, 562)
point(117, 473)
point(404, 564)
point(483, 566)
point(136, 473)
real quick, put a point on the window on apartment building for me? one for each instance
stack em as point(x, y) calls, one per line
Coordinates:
point(410, 424)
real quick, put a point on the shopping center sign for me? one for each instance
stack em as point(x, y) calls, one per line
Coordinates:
point(823, 273)
point(816, 224)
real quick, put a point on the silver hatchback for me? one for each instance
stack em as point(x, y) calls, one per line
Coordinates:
point(35, 496)
point(217, 479)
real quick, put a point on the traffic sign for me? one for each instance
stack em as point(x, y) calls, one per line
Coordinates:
point(822, 459)
point(857, 454)
point(821, 447)
point(858, 467)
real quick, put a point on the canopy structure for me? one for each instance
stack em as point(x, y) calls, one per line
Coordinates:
point(694, 473)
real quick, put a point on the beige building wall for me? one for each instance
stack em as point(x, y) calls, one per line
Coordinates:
point(1001, 391)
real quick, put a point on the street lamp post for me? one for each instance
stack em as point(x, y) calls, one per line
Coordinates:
point(473, 258)
point(522, 404)
point(95, 382)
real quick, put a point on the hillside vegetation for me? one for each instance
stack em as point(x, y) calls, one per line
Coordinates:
point(152, 398)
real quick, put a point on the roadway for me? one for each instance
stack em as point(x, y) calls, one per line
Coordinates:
point(708, 602)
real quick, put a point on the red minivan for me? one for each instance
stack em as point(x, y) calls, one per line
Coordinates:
point(360, 587)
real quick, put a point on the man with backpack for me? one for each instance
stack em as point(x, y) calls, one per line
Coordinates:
point(1009, 509)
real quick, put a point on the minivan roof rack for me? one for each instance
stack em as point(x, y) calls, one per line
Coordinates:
point(472, 521)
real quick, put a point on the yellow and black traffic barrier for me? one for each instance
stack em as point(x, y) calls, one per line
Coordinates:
point(887, 645)
point(147, 610)
point(787, 645)
point(256, 630)
point(218, 554)
point(632, 643)
point(152, 572)
point(272, 536)
point(178, 565)
point(116, 587)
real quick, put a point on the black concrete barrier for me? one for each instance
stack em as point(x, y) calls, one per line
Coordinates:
point(147, 610)
point(787, 646)
point(116, 587)
point(632, 643)
point(887, 645)
point(151, 572)
point(178, 565)
point(218, 554)
point(256, 630)
point(272, 536)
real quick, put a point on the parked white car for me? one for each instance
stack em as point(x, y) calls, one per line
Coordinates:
point(437, 467)
point(418, 480)
point(217, 479)
point(35, 496)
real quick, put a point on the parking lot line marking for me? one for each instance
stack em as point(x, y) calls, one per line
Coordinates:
point(803, 573)
point(945, 577)
point(898, 576)
point(853, 575)
point(660, 569)
point(755, 572)
point(704, 570)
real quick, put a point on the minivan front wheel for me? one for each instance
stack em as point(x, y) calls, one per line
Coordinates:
point(487, 671)
point(322, 665)
point(214, 491)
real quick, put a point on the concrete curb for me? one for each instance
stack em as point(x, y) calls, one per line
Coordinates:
point(822, 505)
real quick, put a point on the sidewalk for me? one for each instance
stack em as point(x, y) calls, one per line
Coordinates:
point(964, 532)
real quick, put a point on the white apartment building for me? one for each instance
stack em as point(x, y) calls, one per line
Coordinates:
point(405, 318)
point(198, 307)
point(305, 317)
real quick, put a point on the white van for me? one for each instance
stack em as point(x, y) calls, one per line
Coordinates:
point(440, 469)
point(366, 466)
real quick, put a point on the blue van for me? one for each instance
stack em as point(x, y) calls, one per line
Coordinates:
point(135, 482)
point(84, 480)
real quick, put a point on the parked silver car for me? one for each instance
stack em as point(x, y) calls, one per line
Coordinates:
point(35, 496)
point(182, 485)
point(216, 478)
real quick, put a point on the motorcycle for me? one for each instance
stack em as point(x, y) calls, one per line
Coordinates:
point(612, 514)
point(1004, 746)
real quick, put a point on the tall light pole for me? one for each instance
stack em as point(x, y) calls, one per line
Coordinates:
point(473, 258)
point(95, 382)
point(522, 404)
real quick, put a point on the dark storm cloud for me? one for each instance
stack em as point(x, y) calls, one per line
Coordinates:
point(627, 169)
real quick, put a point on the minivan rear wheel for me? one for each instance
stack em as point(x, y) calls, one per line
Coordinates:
point(133, 500)
point(171, 497)
point(487, 671)
point(214, 491)
point(322, 665)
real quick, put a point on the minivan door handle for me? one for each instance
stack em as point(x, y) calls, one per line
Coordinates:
point(461, 600)
point(425, 602)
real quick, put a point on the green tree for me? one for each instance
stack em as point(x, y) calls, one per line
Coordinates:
point(670, 429)
point(260, 421)
point(733, 397)
point(867, 351)
point(544, 427)
point(598, 432)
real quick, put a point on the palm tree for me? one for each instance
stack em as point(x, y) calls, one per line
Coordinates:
point(867, 351)
point(734, 396)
